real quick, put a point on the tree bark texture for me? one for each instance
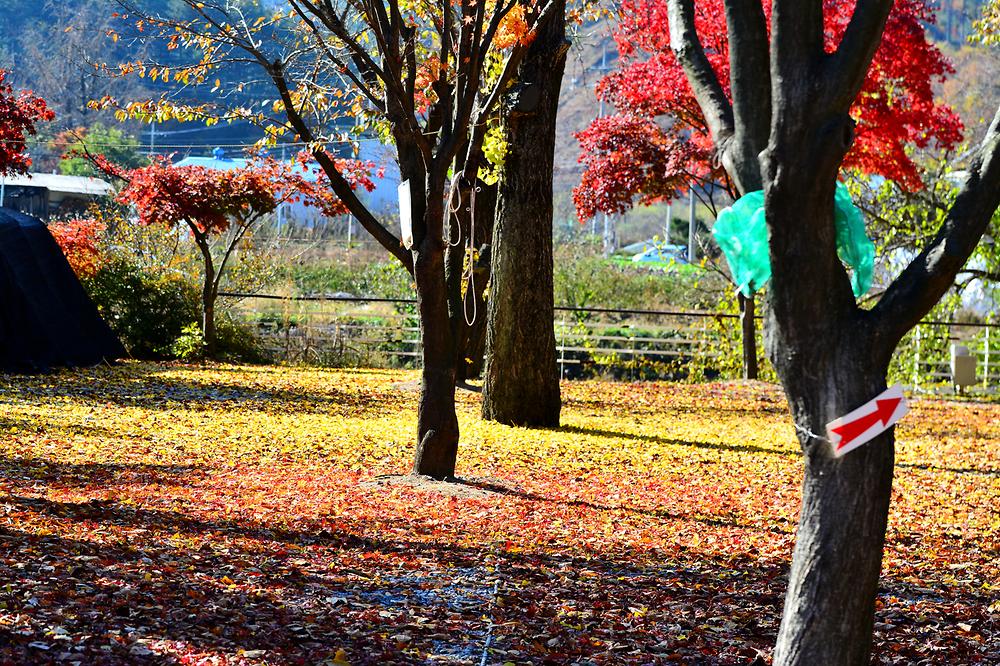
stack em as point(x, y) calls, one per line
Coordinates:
point(437, 423)
point(828, 363)
point(748, 335)
point(208, 295)
point(521, 377)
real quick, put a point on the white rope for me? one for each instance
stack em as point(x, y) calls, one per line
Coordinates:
point(489, 629)
point(454, 207)
point(454, 191)
point(469, 276)
point(809, 433)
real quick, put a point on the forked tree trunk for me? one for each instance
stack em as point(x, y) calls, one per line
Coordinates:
point(830, 355)
point(521, 378)
point(437, 423)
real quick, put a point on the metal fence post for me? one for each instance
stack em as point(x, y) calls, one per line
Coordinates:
point(631, 353)
point(986, 358)
point(916, 358)
point(562, 349)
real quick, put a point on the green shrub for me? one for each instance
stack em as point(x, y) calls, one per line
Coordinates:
point(586, 280)
point(237, 342)
point(190, 345)
point(147, 310)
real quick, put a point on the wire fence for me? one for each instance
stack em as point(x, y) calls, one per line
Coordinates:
point(624, 344)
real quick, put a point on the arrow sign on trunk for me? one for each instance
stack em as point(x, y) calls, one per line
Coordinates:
point(867, 421)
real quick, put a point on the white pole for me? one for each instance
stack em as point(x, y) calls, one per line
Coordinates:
point(666, 228)
point(691, 225)
point(3, 189)
point(281, 206)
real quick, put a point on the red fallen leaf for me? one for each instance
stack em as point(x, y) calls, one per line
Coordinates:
point(685, 511)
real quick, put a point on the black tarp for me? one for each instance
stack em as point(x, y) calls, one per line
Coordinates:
point(47, 320)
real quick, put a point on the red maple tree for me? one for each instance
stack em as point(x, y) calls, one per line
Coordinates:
point(78, 239)
point(657, 142)
point(19, 114)
point(211, 203)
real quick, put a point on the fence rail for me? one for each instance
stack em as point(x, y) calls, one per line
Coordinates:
point(622, 343)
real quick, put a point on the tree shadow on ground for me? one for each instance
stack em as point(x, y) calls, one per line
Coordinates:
point(152, 387)
point(927, 467)
point(106, 582)
point(21, 471)
point(510, 491)
point(219, 586)
point(654, 439)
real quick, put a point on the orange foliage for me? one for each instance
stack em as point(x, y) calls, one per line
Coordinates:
point(78, 241)
point(514, 30)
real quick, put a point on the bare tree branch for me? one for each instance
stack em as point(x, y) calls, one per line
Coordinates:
point(848, 66)
point(750, 67)
point(338, 183)
point(704, 83)
point(915, 291)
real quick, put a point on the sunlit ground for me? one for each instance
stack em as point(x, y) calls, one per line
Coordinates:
point(170, 514)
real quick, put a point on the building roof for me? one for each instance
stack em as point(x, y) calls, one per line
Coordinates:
point(220, 162)
point(59, 183)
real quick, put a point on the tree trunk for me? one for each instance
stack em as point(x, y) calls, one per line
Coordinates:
point(521, 378)
point(437, 423)
point(208, 294)
point(824, 350)
point(748, 336)
point(830, 603)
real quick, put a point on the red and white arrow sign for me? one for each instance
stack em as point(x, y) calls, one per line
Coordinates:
point(867, 421)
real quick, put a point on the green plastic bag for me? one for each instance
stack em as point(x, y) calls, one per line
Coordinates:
point(853, 245)
point(741, 232)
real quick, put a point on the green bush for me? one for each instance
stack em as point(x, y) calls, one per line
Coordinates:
point(190, 346)
point(147, 310)
point(237, 342)
point(155, 316)
point(586, 280)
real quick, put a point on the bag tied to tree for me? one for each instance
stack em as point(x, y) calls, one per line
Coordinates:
point(741, 232)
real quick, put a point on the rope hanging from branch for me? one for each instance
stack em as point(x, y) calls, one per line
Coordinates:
point(469, 264)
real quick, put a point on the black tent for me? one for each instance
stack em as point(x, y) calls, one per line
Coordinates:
point(46, 318)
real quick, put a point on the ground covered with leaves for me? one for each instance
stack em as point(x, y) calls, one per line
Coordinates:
point(244, 515)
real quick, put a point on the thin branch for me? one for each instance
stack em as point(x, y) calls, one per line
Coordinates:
point(332, 57)
point(975, 273)
point(338, 183)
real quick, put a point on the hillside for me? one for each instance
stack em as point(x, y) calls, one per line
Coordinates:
point(51, 44)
